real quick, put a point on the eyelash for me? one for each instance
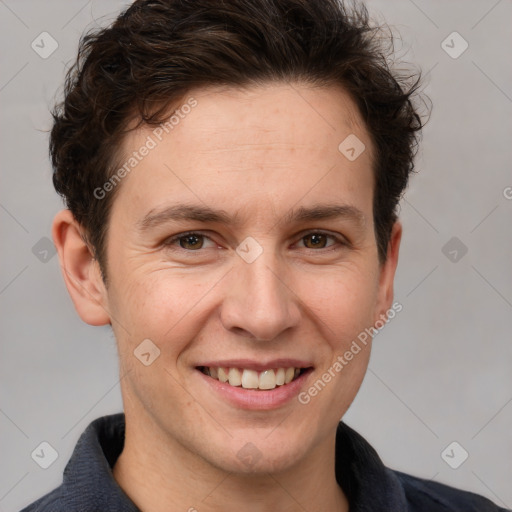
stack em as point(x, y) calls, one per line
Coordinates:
point(169, 243)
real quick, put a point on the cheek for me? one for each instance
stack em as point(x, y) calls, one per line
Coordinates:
point(158, 305)
point(343, 302)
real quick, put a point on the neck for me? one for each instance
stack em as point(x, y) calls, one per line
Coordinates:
point(161, 472)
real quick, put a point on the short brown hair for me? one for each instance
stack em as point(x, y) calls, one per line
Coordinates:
point(158, 50)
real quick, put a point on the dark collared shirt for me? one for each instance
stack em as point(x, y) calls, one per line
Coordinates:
point(88, 484)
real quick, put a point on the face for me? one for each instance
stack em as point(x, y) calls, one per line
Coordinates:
point(243, 244)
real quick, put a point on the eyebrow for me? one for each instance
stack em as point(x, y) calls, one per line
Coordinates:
point(201, 213)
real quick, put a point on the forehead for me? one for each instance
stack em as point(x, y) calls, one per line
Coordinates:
point(270, 114)
point(238, 144)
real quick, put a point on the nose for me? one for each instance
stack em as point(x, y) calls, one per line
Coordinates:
point(259, 303)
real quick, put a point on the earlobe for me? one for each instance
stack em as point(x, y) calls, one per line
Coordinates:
point(387, 273)
point(80, 270)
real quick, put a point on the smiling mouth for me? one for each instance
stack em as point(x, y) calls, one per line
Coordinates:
point(251, 379)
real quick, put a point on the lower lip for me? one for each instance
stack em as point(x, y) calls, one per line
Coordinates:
point(257, 400)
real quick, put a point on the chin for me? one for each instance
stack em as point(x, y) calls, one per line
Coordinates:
point(259, 454)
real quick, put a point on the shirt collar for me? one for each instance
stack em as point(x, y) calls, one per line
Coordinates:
point(88, 478)
point(367, 483)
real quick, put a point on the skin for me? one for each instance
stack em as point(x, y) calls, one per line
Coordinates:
point(257, 153)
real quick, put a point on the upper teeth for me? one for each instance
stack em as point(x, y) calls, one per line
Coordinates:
point(251, 379)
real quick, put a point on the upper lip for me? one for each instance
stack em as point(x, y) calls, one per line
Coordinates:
point(258, 366)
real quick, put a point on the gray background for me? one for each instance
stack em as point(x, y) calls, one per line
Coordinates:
point(440, 371)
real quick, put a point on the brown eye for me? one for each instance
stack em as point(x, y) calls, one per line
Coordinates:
point(189, 242)
point(315, 240)
point(192, 241)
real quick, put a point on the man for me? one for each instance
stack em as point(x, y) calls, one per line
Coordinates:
point(231, 172)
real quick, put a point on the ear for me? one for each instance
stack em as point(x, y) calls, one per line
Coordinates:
point(387, 272)
point(81, 271)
